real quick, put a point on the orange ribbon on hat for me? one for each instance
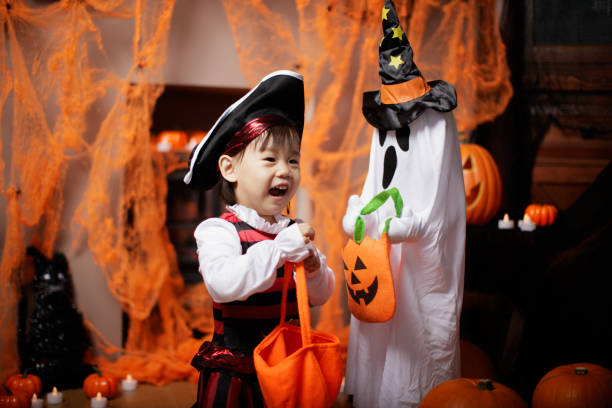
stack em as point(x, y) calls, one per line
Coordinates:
point(403, 92)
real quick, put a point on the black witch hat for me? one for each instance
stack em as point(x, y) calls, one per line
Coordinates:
point(404, 93)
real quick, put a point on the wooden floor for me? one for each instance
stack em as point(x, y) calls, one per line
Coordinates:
point(173, 395)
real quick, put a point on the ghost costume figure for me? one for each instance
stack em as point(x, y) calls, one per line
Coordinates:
point(397, 362)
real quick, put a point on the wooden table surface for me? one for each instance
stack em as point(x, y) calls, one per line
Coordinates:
point(173, 395)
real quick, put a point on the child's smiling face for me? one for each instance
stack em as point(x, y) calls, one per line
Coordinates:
point(267, 177)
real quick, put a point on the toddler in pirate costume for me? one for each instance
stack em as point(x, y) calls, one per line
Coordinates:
point(254, 148)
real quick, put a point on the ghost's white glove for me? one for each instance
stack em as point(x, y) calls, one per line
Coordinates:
point(353, 209)
point(408, 227)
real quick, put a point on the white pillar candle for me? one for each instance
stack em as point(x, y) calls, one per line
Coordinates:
point(54, 397)
point(98, 401)
point(129, 383)
point(36, 402)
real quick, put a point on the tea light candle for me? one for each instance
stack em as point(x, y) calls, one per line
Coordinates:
point(54, 397)
point(505, 223)
point(98, 401)
point(526, 224)
point(191, 144)
point(36, 402)
point(164, 146)
point(129, 383)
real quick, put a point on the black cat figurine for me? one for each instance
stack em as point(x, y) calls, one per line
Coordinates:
point(52, 337)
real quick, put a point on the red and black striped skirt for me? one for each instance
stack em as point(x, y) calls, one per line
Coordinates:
point(227, 379)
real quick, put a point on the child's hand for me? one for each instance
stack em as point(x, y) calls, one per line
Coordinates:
point(307, 231)
point(312, 264)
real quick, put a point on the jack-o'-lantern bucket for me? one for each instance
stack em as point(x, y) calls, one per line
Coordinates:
point(367, 271)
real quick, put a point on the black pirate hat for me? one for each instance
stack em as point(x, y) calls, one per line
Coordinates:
point(404, 94)
point(280, 93)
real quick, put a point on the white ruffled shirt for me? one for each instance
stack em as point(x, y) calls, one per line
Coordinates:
point(230, 275)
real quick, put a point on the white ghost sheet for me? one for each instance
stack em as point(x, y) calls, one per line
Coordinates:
point(397, 362)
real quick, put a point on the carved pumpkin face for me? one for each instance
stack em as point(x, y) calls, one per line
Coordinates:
point(482, 184)
point(473, 188)
point(360, 292)
point(369, 282)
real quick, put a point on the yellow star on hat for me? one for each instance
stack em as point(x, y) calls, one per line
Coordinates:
point(384, 13)
point(396, 61)
point(398, 32)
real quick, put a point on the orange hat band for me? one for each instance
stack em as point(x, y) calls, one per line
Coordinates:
point(403, 92)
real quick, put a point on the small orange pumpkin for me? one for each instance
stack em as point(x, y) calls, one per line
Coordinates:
point(27, 383)
point(472, 392)
point(574, 385)
point(542, 214)
point(10, 399)
point(482, 182)
point(474, 361)
point(99, 382)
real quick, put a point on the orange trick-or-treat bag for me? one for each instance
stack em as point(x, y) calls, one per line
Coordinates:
point(369, 281)
point(298, 366)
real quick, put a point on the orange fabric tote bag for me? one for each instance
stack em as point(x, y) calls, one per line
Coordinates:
point(369, 280)
point(297, 366)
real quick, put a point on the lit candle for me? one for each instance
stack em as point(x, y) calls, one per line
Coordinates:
point(164, 146)
point(129, 383)
point(526, 224)
point(191, 144)
point(98, 401)
point(506, 223)
point(36, 402)
point(54, 397)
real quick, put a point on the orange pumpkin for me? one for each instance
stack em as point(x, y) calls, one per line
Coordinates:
point(482, 182)
point(10, 399)
point(542, 214)
point(175, 139)
point(474, 361)
point(27, 383)
point(574, 385)
point(99, 382)
point(472, 392)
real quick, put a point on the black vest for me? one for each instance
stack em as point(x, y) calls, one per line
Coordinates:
point(241, 325)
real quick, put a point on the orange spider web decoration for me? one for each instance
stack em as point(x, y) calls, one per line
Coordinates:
point(125, 229)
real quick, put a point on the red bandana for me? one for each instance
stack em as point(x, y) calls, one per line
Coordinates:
point(250, 131)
